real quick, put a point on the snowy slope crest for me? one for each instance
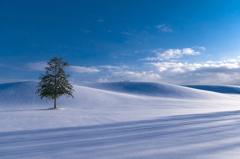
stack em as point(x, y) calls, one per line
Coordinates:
point(154, 90)
point(23, 93)
point(218, 88)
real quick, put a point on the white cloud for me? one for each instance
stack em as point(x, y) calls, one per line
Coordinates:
point(198, 78)
point(164, 28)
point(184, 67)
point(80, 69)
point(224, 61)
point(171, 53)
point(189, 51)
point(210, 72)
point(232, 60)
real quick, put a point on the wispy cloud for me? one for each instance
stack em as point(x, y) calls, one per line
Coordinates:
point(164, 28)
point(109, 67)
point(102, 80)
point(160, 26)
point(137, 76)
point(86, 31)
point(38, 66)
point(171, 53)
point(80, 69)
point(200, 47)
point(125, 33)
point(101, 20)
point(209, 72)
point(121, 53)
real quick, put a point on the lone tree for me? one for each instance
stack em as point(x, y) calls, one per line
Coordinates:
point(54, 83)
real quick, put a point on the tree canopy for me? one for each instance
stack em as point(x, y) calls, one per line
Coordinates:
point(54, 82)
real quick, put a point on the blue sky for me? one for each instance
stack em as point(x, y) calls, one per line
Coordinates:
point(179, 42)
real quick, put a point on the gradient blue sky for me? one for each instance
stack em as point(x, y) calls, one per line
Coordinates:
point(180, 42)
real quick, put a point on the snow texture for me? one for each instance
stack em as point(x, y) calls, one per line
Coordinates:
point(119, 120)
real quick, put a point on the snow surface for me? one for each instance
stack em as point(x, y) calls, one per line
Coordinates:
point(218, 88)
point(119, 120)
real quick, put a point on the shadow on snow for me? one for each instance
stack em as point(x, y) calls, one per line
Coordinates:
point(181, 136)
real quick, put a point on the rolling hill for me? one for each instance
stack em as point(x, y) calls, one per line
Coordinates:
point(217, 88)
point(119, 120)
point(90, 95)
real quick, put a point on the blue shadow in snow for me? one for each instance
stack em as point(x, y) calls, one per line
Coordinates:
point(182, 131)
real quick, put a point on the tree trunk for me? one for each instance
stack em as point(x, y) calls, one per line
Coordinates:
point(55, 99)
point(55, 103)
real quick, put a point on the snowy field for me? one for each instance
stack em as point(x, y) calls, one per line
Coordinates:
point(121, 120)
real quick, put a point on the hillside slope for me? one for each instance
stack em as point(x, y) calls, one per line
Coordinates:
point(23, 94)
point(217, 88)
point(153, 89)
point(132, 120)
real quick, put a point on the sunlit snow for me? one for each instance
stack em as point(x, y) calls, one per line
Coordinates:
point(119, 120)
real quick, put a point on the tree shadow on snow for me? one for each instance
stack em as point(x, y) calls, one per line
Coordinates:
point(43, 109)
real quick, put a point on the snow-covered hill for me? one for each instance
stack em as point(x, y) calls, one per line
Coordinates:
point(218, 88)
point(153, 89)
point(119, 120)
point(22, 94)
